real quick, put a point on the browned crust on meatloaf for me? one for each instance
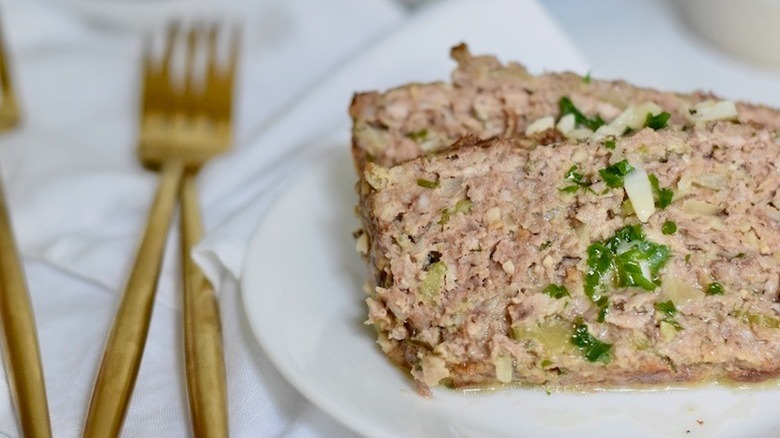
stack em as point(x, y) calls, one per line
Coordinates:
point(487, 98)
point(522, 233)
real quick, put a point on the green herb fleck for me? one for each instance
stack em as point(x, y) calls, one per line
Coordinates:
point(663, 197)
point(666, 307)
point(567, 107)
point(669, 227)
point(418, 135)
point(624, 260)
point(594, 349)
point(610, 144)
point(715, 288)
point(603, 305)
point(740, 256)
point(658, 121)
point(556, 291)
point(574, 176)
point(586, 79)
point(615, 174)
point(545, 245)
point(428, 184)
point(687, 258)
point(462, 206)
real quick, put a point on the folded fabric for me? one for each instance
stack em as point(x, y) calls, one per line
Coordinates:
point(78, 194)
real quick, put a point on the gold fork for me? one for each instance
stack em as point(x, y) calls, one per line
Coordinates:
point(19, 337)
point(180, 129)
point(204, 357)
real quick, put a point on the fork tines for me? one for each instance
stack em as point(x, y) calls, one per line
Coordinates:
point(201, 94)
point(9, 110)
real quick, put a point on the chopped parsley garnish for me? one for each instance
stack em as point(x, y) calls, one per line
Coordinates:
point(658, 121)
point(666, 307)
point(663, 197)
point(574, 176)
point(567, 107)
point(428, 184)
point(545, 245)
point(715, 288)
point(669, 227)
point(556, 291)
point(586, 78)
point(594, 349)
point(615, 174)
point(603, 305)
point(418, 135)
point(626, 259)
point(610, 144)
point(578, 179)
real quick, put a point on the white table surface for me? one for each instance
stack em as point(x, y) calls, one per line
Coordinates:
point(639, 40)
point(647, 43)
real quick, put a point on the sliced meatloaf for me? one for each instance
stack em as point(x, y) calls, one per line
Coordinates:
point(487, 98)
point(511, 261)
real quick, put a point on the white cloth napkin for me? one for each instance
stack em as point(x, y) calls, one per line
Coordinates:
point(78, 193)
point(79, 197)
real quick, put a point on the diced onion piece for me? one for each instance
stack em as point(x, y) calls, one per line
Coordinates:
point(695, 206)
point(668, 331)
point(361, 244)
point(566, 124)
point(377, 176)
point(684, 185)
point(679, 292)
point(634, 117)
point(606, 131)
point(640, 192)
point(710, 110)
point(508, 267)
point(579, 134)
point(712, 180)
point(540, 125)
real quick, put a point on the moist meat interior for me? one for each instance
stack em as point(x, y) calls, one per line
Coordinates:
point(471, 245)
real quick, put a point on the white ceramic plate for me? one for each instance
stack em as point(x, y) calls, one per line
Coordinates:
point(302, 292)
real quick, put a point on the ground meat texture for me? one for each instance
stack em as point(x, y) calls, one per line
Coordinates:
point(487, 98)
point(463, 243)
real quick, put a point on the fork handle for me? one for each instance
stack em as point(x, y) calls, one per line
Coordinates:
point(204, 357)
point(125, 345)
point(19, 336)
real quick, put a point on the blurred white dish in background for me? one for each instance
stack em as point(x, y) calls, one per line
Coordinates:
point(748, 28)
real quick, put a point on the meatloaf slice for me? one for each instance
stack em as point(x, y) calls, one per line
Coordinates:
point(487, 98)
point(502, 261)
